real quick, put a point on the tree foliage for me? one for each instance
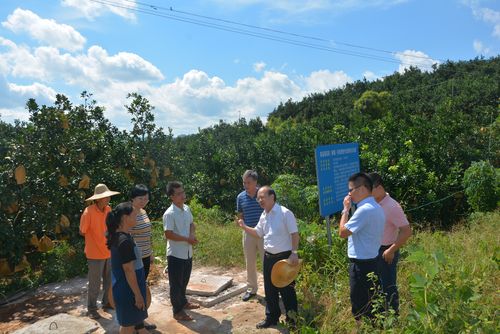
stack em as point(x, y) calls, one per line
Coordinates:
point(419, 130)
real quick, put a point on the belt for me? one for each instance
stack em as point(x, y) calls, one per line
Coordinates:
point(352, 260)
point(271, 255)
point(384, 247)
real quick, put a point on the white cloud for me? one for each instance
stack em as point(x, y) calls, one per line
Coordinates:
point(370, 76)
point(490, 16)
point(480, 48)
point(91, 9)
point(92, 69)
point(324, 80)
point(485, 14)
point(412, 58)
point(45, 31)
point(13, 98)
point(259, 67)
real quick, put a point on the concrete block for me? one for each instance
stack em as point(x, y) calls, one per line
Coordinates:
point(209, 301)
point(61, 324)
point(207, 285)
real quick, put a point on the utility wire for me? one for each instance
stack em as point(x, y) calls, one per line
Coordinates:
point(171, 9)
point(256, 34)
point(436, 201)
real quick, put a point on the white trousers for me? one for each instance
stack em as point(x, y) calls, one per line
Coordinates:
point(252, 245)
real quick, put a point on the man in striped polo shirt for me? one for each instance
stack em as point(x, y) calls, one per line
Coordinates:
point(249, 210)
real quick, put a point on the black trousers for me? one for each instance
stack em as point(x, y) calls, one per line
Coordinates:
point(179, 272)
point(362, 287)
point(287, 293)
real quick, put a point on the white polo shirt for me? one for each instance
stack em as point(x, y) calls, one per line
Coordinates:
point(276, 228)
point(178, 221)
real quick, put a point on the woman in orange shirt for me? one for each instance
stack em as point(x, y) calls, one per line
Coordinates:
point(93, 228)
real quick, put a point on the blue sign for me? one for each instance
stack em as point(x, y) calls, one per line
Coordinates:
point(334, 165)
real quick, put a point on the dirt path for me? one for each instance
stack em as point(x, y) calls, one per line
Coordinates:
point(230, 316)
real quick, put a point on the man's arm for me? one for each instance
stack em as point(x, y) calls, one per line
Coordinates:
point(343, 231)
point(249, 230)
point(84, 223)
point(294, 258)
point(403, 236)
point(171, 235)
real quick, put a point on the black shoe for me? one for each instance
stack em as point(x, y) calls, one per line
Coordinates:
point(247, 296)
point(93, 314)
point(150, 326)
point(266, 324)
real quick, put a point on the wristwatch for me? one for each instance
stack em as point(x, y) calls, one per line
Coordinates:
point(294, 252)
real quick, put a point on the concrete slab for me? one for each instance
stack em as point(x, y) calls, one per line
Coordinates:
point(209, 301)
point(207, 285)
point(61, 324)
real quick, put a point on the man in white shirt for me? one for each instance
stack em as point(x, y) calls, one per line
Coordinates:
point(278, 227)
point(180, 233)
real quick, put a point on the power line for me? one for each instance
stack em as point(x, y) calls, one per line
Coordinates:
point(155, 12)
point(171, 9)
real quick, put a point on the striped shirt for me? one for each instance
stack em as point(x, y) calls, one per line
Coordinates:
point(142, 234)
point(249, 207)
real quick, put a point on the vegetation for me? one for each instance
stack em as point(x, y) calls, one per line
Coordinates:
point(433, 136)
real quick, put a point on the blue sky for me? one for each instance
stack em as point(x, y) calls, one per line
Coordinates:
point(196, 75)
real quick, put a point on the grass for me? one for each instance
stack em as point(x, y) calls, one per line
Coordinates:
point(219, 239)
point(460, 283)
point(459, 270)
point(448, 281)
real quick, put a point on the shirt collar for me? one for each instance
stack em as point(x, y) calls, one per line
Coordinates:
point(369, 199)
point(275, 208)
point(176, 208)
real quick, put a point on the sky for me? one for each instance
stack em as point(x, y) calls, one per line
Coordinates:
point(202, 61)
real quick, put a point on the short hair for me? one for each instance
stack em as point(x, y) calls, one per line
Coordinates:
point(171, 186)
point(376, 179)
point(361, 179)
point(250, 173)
point(139, 190)
point(269, 191)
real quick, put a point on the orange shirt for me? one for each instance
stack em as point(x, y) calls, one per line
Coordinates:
point(93, 226)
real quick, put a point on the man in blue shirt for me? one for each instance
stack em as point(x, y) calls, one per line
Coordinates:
point(364, 231)
point(249, 210)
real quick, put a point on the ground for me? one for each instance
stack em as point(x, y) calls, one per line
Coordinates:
point(230, 316)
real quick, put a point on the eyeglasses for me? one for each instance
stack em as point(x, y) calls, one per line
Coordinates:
point(352, 189)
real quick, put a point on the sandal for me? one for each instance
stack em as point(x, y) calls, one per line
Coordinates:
point(182, 316)
point(191, 306)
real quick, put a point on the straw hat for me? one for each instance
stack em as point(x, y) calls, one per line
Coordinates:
point(101, 191)
point(283, 273)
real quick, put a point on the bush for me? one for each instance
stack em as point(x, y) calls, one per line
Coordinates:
point(482, 186)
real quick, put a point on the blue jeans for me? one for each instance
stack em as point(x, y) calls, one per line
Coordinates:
point(388, 275)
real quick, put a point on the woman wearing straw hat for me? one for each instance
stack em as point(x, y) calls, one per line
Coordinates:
point(93, 228)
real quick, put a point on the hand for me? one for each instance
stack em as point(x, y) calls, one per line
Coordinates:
point(192, 240)
point(152, 258)
point(388, 256)
point(347, 203)
point(139, 302)
point(293, 259)
point(241, 223)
